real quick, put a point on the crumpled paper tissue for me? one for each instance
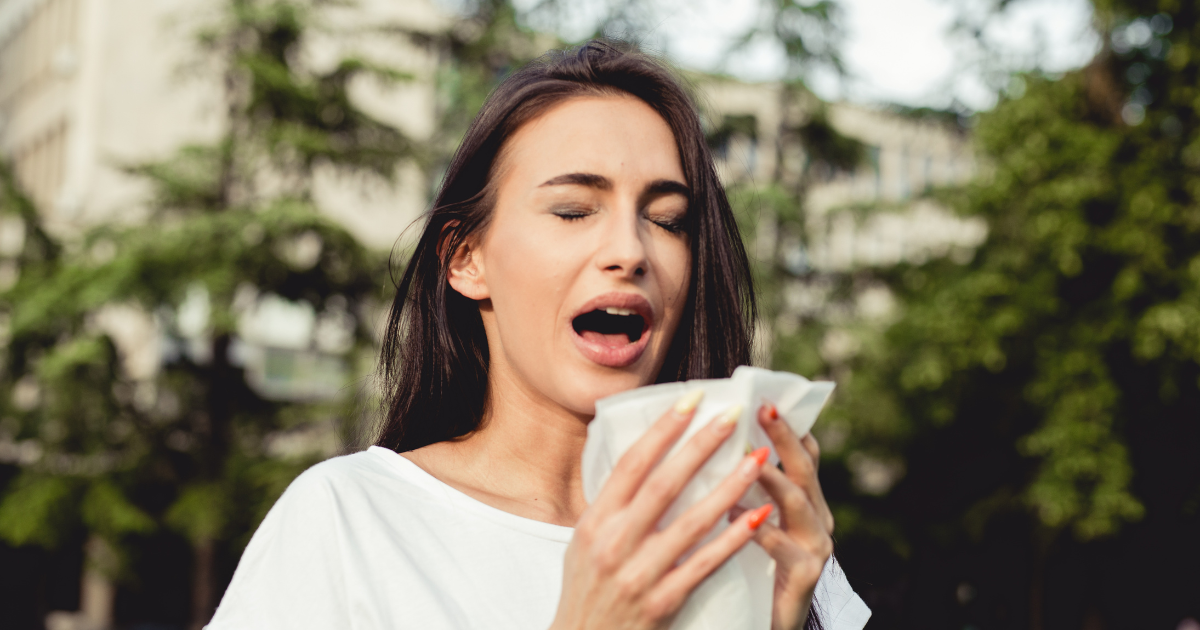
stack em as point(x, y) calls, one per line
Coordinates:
point(738, 595)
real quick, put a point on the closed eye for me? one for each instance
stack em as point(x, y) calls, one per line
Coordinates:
point(674, 226)
point(572, 214)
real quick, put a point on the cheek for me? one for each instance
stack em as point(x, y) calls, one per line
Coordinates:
point(526, 272)
point(675, 271)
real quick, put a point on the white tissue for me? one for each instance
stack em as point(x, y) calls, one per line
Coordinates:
point(737, 596)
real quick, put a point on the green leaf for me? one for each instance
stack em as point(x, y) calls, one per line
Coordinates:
point(39, 510)
point(108, 512)
point(201, 513)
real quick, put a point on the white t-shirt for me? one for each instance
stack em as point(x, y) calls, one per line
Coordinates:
point(371, 541)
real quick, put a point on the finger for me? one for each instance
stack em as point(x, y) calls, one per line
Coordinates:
point(799, 457)
point(813, 485)
point(668, 480)
point(662, 549)
point(682, 580)
point(776, 542)
point(633, 467)
point(790, 556)
point(800, 515)
point(814, 449)
point(797, 461)
point(812, 491)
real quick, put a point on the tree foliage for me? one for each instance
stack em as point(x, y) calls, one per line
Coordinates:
point(1043, 395)
point(118, 453)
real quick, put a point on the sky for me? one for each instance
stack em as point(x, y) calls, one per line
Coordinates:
point(897, 51)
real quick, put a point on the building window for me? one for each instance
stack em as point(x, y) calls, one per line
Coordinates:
point(735, 145)
point(38, 50)
point(41, 166)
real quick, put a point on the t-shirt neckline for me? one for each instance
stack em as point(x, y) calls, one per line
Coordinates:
point(421, 477)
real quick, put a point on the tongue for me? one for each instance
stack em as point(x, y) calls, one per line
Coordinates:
point(615, 340)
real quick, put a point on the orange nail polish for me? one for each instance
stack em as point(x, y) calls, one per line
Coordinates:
point(772, 412)
point(760, 455)
point(759, 516)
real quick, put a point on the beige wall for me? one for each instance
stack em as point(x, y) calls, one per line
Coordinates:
point(872, 216)
point(38, 57)
point(89, 85)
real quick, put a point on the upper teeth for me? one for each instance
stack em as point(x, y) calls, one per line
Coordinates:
point(612, 310)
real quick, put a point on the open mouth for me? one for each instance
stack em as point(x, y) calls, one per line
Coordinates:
point(612, 326)
point(614, 329)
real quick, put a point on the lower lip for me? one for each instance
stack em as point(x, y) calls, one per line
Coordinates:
point(608, 356)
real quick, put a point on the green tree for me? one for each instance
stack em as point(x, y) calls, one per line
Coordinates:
point(1045, 395)
point(230, 224)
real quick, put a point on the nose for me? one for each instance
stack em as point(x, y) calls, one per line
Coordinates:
point(622, 250)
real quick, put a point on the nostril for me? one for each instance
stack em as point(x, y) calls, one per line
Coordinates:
point(638, 271)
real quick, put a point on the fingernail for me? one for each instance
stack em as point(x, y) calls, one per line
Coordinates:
point(772, 412)
point(728, 418)
point(759, 516)
point(753, 462)
point(687, 404)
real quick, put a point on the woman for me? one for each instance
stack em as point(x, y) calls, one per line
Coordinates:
point(581, 245)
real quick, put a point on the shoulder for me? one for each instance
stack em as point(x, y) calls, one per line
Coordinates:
point(373, 470)
point(321, 483)
point(293, 572)
point(342, 495)
point(342, 470)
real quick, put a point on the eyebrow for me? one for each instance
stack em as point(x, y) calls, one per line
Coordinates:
point(655, 189)
point(662, 187)
point(590, 180)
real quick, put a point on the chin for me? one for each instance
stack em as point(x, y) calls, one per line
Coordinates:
point(598, 382)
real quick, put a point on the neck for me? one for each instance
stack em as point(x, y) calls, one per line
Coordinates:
point(524, 458)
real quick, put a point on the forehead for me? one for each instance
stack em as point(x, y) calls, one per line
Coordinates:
point(618, 136)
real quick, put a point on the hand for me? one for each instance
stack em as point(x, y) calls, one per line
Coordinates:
point(619, 571)
point(803, 542)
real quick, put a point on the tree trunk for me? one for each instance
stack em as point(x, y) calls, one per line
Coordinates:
point(1043, 539)
point(204, 595)
point(224, 382)
point(96, 590)
point(1037, 586)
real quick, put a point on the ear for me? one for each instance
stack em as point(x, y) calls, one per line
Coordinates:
point(466, 272)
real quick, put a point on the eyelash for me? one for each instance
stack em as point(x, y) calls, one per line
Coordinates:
point(674, 227)
point(572, 215)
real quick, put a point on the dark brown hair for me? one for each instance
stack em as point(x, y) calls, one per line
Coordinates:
point(434, 360)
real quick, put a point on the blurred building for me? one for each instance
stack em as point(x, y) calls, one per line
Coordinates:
point(88, 87)
point(874, 215)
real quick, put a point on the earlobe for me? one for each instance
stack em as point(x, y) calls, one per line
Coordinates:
point(466, 273)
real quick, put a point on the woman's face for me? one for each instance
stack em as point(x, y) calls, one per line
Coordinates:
point(583, 271)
